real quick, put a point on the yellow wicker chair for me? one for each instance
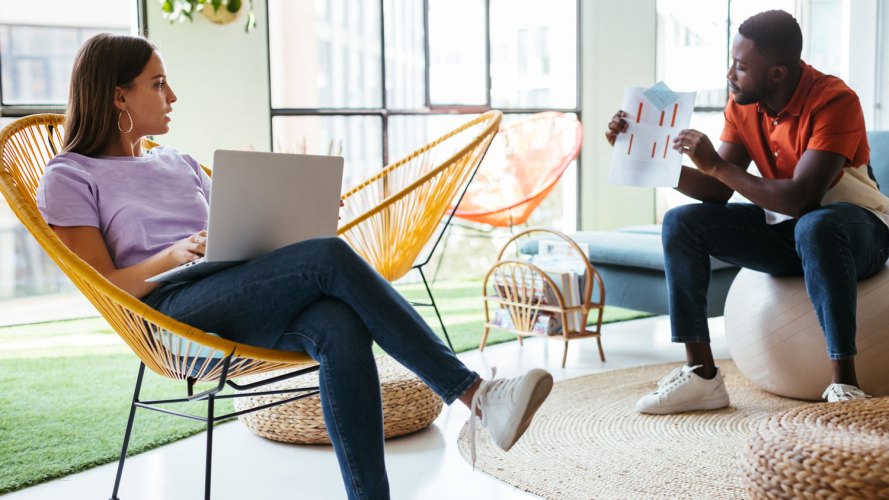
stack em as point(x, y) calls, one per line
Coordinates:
point(391, 217)
point(168, 347)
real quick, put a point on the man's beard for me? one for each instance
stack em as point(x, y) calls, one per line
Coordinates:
point(750, 97)
point(757, 94)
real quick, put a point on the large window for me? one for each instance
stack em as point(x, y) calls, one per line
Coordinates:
point(693, 53)
point(37, 62)
point(377, 79)
point(38, 41)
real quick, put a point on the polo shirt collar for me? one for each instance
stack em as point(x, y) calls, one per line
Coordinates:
point(795, 106)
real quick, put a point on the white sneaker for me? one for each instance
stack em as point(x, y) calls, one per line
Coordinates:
point(507, 406)
point(684, 390)
point(843, 392)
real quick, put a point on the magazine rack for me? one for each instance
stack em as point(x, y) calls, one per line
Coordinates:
point(529, 294)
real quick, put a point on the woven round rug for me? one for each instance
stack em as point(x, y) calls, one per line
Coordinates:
point(587, 441)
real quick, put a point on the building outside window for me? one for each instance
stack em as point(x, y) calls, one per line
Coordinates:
point(38, 41)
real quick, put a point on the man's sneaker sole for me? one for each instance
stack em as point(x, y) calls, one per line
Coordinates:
point(711, 403)
point(531, 399)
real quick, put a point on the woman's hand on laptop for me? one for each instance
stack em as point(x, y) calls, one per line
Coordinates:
point(189, 249)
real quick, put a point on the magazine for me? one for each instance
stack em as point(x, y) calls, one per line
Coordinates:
point(571, 286)
point(542, 322)
point(561, 255)
point(568, 271)
point(530, 291)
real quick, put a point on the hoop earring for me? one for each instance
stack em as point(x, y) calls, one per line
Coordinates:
point(127, 131)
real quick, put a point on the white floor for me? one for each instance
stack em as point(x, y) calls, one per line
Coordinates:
point(426, 465)
point(41, 308)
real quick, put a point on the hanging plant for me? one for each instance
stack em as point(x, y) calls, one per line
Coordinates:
point(217, 11)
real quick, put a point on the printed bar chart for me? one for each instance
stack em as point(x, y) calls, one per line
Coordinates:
point(658, 114)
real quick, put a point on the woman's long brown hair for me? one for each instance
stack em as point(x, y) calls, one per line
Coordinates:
point(104, 62)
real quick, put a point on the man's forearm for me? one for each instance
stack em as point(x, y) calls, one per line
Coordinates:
point(778, 195)
point(702, 187)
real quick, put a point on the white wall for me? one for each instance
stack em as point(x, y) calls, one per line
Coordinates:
point(881, 120)
point(863, 23)
point(220, 76)
point(868, 58)
point(618, 43)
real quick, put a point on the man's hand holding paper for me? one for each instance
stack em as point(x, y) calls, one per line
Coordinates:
point(699, 149)
point(643, 136)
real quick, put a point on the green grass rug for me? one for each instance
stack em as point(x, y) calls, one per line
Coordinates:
point(66, 386)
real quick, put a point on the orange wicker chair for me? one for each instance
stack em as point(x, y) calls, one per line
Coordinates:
point(526, 160)
point(391, 217)
point(168, 347)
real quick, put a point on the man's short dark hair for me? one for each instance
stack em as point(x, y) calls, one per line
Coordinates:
point(777, 34)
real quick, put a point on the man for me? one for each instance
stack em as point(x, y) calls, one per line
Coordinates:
point(816, 211)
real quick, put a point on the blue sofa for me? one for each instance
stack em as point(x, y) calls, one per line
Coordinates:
point(631, 260)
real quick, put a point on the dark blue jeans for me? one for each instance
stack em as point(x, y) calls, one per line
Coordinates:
point(321, 298)
point(832, 247)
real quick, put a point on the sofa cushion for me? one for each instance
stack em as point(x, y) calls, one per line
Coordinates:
point(624, 248)
point(644, 229)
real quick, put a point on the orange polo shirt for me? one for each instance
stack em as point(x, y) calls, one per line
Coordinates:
point(824, 114)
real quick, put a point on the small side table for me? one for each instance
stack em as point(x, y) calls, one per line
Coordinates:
point(521, 288)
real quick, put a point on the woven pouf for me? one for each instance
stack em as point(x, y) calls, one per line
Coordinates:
point(408, 406)
point(827, 450)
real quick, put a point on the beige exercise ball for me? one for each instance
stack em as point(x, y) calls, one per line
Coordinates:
point(775, 340)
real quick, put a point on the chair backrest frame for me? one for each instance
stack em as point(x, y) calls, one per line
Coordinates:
point(534, 198)
point(379, 233)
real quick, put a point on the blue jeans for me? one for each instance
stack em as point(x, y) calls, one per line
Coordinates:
point(832, 247)
point(321, 298)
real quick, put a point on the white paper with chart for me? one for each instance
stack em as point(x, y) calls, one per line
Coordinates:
point(643, 155)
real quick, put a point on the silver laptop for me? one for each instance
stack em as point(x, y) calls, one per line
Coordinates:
point(260, 202)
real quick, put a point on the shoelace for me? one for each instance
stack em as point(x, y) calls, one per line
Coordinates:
point(844, 392)
point(673, 375)
point(479, 398)
point(667, 383)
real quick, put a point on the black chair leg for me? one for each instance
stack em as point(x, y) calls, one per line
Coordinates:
point(432, 300)
point(209, 470)
point(441, 255)
point(126, 437)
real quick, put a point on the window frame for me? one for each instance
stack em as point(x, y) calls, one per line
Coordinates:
point(22, 110)
point(384, 112)
point(10, 112)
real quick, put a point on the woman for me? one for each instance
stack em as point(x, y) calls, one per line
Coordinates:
point(132, 213)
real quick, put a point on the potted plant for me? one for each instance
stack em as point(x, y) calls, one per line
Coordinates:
point(217, 11)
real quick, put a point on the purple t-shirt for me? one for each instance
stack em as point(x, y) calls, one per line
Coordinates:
point(142, 205)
